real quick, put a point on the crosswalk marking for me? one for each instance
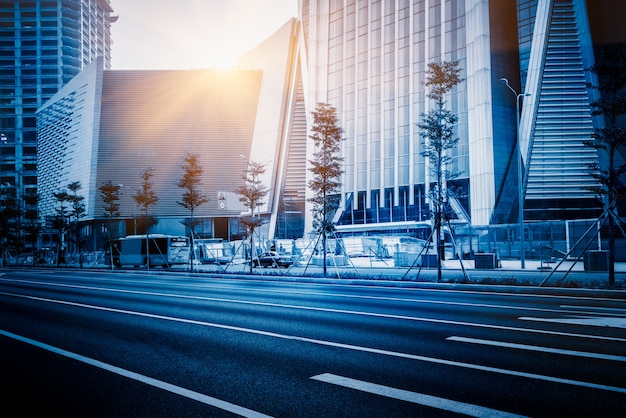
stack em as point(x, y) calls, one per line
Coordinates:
point(414, 397)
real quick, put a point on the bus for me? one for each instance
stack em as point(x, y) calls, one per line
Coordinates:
point(163, 250)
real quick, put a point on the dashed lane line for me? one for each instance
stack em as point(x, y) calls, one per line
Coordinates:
point(359, 313)
point(336, 345)
point(414, 397)
point(596, 310)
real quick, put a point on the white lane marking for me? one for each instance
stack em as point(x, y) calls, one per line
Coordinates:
point(597, 310)
point(414, 397)
point(538, 348)
point(211, 276)
point(347, 312)
point(208, 400)
point(308, 293)
point(608, 321)
point(349, 296)
point(334, 344)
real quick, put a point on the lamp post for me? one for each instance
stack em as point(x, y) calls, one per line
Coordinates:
point(520, 195)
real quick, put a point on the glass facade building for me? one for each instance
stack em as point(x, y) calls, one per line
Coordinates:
point(556, 51)
point(368, 59)
point(43, 44)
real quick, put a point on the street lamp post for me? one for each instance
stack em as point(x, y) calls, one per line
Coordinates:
point(520, 195)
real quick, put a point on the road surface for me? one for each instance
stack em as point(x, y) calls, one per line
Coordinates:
point(79, 343)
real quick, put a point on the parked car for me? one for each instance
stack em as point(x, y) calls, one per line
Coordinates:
point(271, 259)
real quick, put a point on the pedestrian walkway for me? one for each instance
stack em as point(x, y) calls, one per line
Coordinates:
point(535, 273)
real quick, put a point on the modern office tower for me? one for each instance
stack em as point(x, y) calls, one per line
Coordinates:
point(43, 44)
point(557, 42)
point(111, 125)
point(368, 59)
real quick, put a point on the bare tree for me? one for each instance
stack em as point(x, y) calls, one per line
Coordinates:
point(326, 168)
point(60, 223)
point(9, 220)
point(32, 227)
point(438, 130)
point(110, 196)
point(77, 211)
point(145, 199)
point(252, 192)
point(192, 197)
point(611, 138)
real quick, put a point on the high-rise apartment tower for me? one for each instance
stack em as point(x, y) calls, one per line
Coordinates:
point(43, 44)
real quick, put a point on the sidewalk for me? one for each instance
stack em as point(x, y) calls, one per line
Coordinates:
point(509, 272)
point(368, 269)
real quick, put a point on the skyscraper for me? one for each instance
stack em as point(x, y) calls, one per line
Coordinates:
point(556, 44)
point(43, 44)
point(368, 59)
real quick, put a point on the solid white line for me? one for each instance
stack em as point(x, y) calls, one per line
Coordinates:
point(417, 398)
point(334, 344)
point(308, 293)
point(208, 400)
point(347, 312)
point(538, 348)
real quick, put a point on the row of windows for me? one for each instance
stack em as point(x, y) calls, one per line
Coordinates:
point(27, 33)
point(27, 92)
point(7, 151)
point(28, 69)
point(25, 5)
point(8, 136)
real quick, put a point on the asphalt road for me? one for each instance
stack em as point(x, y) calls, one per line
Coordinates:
point(78, 343)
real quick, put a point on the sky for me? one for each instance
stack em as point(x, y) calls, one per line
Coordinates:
point(185, 34)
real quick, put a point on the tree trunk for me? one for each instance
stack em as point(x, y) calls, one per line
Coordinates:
point(192, 252)
point(324, 250)
point(439, 247)
point(251, 251)
point(611, 249)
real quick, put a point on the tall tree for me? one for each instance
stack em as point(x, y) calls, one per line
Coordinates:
point(438, 130)
point(252, 192)
point(610, 139)
point(9, 217)
point(60, 223)
point(326, 169)
point(193, 196)
point(32, 227)
point(110, 196)
point(145, 198)
point(77, 211)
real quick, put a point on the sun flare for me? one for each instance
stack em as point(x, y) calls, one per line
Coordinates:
point(193, 34)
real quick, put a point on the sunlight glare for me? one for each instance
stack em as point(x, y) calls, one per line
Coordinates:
point(193, 34)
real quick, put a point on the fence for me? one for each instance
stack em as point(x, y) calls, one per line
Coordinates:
point(553, 239)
